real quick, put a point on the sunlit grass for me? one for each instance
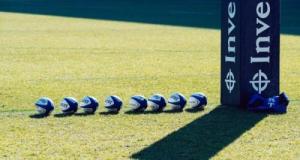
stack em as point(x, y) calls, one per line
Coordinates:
point(57, 57)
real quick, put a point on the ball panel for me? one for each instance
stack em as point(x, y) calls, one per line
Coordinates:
point(41, 110)
point(198, 100)
point(194, 102)
point(69, 105)
point(154, 106)
point(44, 105)
point(89, 104)
point(177, 101)
point(138, 103)
point(134, 104)
point(157, 102)
point(113, 103)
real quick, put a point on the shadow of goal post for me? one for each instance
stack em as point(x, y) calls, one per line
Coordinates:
point(250, 41)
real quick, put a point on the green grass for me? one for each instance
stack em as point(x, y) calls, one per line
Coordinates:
point(57, 57)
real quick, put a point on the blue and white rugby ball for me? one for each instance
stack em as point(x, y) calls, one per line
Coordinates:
point(177, 101)
point(198, 100)
point(69, 105)
point(89, 104)
point(113, 103)
point(138, 103)
point(157, 102)
point(44, 106)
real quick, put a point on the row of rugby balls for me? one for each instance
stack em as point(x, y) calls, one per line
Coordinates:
point(138, 103)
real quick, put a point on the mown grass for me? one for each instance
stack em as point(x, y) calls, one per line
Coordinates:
point(57, 57)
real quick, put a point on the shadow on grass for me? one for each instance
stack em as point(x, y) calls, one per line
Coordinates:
point(189, 13)
point(194, 110)
point(62, 115)
point(193, 13)
point(83, 114)
point(153, 112)
point(108, 113)
point(173, 111)
point(38, 116)
point(204, 137)
point(144, 112)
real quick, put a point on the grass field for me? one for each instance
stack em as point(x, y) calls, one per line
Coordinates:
point(57, 56)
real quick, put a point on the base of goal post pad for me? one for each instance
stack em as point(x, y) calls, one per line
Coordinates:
point(250, 40)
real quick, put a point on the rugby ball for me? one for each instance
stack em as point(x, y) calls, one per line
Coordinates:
point(198, 100)
point(157, 102)
point(177, 101)
point(113, 103)
point(44, 106)
point(89, 104)
point(138, 103)
point(69, 105)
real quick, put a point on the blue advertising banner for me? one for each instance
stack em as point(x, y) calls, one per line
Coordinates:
point(250, 41)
